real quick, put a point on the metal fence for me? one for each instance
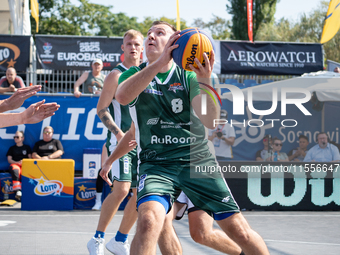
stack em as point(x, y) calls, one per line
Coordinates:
point(62, 81)
point(56, 81)
point(258, 78)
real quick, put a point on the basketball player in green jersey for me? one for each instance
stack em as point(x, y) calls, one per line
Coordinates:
point(200, 223)
point(165, 106)
point(124, 170)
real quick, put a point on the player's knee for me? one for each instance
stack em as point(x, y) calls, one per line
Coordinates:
point(122, 191)
point(148, 221)
point(241, 237)
point(199, 237)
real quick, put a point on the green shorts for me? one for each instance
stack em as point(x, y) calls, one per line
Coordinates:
point(125, 169)
point(209, 192)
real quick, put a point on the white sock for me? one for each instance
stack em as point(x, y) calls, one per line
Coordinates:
point(98, 197)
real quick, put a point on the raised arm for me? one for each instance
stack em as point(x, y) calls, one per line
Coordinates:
point(18, 98)
point(33, 114)
point(129, 89)
point(108, 93)
point(203, 74)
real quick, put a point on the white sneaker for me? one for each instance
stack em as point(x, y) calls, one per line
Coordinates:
point(96, 246)
point(118, 248)
point(97, 206)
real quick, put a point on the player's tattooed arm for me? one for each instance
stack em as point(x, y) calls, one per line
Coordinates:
point(108, 121)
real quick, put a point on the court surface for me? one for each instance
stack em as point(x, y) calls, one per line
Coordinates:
point(67, 232)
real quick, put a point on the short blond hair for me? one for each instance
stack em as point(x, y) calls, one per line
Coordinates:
point(48, 127)
point(133, 33)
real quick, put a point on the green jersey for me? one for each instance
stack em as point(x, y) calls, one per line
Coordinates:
point(167, 129)
point(120, 115)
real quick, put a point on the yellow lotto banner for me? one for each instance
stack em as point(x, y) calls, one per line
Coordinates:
point(47, 184)
point(332, 22)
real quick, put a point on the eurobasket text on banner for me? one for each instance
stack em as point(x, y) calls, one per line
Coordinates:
point(75, 52)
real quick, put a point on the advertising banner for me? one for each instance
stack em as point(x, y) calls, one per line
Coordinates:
point(14, 52)
point(75, 124)
point(66, 52)
point(84, 193)
point(47, 184)
point(6, 186)
point(265, 58)
point(290, 192)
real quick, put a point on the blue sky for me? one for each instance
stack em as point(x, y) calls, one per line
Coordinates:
point(290, 9)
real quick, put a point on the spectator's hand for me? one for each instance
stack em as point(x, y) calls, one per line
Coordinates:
point(45, 157)
point(18, 98)
point(11, 88)
point(38, 111)
point(104, 173)
point(298, 152)
point(271, 158)
point(77, 94)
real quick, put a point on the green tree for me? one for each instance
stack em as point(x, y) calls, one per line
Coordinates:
point(263, 12)
point(308, 28)
point(218, 27)
point(116, 24)
point(146, 24)
point(60, 17)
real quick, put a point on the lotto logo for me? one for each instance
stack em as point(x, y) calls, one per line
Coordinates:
point(92, 164)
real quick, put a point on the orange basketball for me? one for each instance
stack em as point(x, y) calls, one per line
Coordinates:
point(193, 42)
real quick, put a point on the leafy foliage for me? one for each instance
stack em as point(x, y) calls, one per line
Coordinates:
point(218, 27)
point(263, 13)
point(308, 28)
point(60, 17)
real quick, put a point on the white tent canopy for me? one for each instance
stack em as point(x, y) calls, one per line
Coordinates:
point(20, 16)
point(325, 84)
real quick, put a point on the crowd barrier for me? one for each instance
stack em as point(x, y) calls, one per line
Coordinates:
point(296, 189)
point(51, 185)
point(284, 186)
